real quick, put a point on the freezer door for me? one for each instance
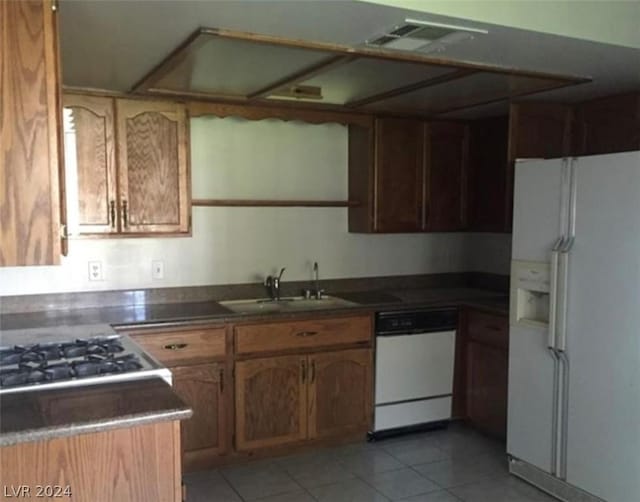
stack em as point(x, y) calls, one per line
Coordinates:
point(531, 406)
point(538, 217)
point(603, 329)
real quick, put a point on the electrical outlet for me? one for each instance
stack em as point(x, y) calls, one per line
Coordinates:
point(157, 269)
point(95, 271)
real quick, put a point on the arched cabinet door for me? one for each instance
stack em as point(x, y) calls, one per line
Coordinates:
point(340, 392)
point(90, 164)
point(271, 401)
point(153, 167)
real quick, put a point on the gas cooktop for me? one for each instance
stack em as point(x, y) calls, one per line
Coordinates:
point(77, 361)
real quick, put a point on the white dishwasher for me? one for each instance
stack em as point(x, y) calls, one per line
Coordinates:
point(415, 352)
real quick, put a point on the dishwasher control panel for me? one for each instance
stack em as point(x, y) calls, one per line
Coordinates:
point(415, 321)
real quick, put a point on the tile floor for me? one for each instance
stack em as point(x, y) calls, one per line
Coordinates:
point(450, 465)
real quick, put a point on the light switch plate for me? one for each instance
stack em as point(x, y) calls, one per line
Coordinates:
point(157, 269)
point(95, 271)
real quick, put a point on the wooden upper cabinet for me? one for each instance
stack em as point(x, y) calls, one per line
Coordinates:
point(539, 130)
point(446, 152)
point(153, 164)
point(204, 435)
point(398, 175)
point(488, 205)
point(90, 164)
point(340, 392)
point(271, 401)
point(608, 125)
point(30, 202)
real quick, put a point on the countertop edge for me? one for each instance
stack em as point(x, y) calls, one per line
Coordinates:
point(125, 421)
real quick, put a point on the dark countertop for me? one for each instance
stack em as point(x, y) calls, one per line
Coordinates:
point(47, 414)
point(39, 415)
point(168, 314)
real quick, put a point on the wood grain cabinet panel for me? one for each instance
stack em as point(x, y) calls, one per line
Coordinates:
point(487, 376)
point(399, 175)
point(279, 336)
point(90, 163)
point(340, 392)
point(153, 164)
point(539, 130)
point(608, 125)
point(30, 201)
point(488, 206)
point(204, 435)
point(177, 348)
point(136, 464)
point(271, 401)
point(446, 153)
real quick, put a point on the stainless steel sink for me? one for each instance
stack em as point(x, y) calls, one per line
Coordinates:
point(287, 304)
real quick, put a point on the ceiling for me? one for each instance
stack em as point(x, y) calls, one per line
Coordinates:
point(108, 44)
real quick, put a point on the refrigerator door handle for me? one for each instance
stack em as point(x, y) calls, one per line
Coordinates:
point(561, 314)
point(553, 293)
point(563, 413)
point(555, 417)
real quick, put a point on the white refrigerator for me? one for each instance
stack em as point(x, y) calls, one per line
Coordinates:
point(574, 355)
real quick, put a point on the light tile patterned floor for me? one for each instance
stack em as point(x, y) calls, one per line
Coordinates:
point(451, 465)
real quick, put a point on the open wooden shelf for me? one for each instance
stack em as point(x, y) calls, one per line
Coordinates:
point(272, 203)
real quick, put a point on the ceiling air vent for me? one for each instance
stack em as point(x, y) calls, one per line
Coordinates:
point(423, 36)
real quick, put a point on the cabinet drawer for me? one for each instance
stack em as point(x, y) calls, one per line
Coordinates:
point(273, 337)
point(183, 347)
point(488, 328)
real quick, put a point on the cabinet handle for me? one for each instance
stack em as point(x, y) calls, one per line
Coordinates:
point(303, 370)
point(125, 214)
point(112, 213)
point(313, 371)
point(221, 380)
point(306, 333)
point(176, 346)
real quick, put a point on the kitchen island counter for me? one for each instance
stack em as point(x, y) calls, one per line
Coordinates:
point(38, 415)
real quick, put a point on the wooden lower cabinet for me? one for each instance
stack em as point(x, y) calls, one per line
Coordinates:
point(204, 436)
point(271, 401)
point(487, 375)
point(136, 464)
point(340, 392)
point(288, 399)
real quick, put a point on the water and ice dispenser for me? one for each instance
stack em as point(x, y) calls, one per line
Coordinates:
point(530, 286)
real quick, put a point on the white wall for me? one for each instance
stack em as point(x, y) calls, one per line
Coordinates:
point(238, 245)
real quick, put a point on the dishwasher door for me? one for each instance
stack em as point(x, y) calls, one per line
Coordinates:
point(414, 378)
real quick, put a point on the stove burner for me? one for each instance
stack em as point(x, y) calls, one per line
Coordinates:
point(38, 363)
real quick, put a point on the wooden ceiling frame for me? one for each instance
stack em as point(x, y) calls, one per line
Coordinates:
point(398, 91)
point(302, 75)
point(337, 55)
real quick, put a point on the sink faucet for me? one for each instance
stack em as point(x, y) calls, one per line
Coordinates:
point(318, 292)
point(273, 285)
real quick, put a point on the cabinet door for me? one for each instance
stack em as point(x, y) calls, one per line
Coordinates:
point(398, 175)
point(608, 125)
point(340, 392)
point(487, 373)
point(153, 167)
point(488, 202)
point(539, 130)
point(90, 169)
point(30, 202)
point(204, 434)
point(271, 401)
point(445, 167)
